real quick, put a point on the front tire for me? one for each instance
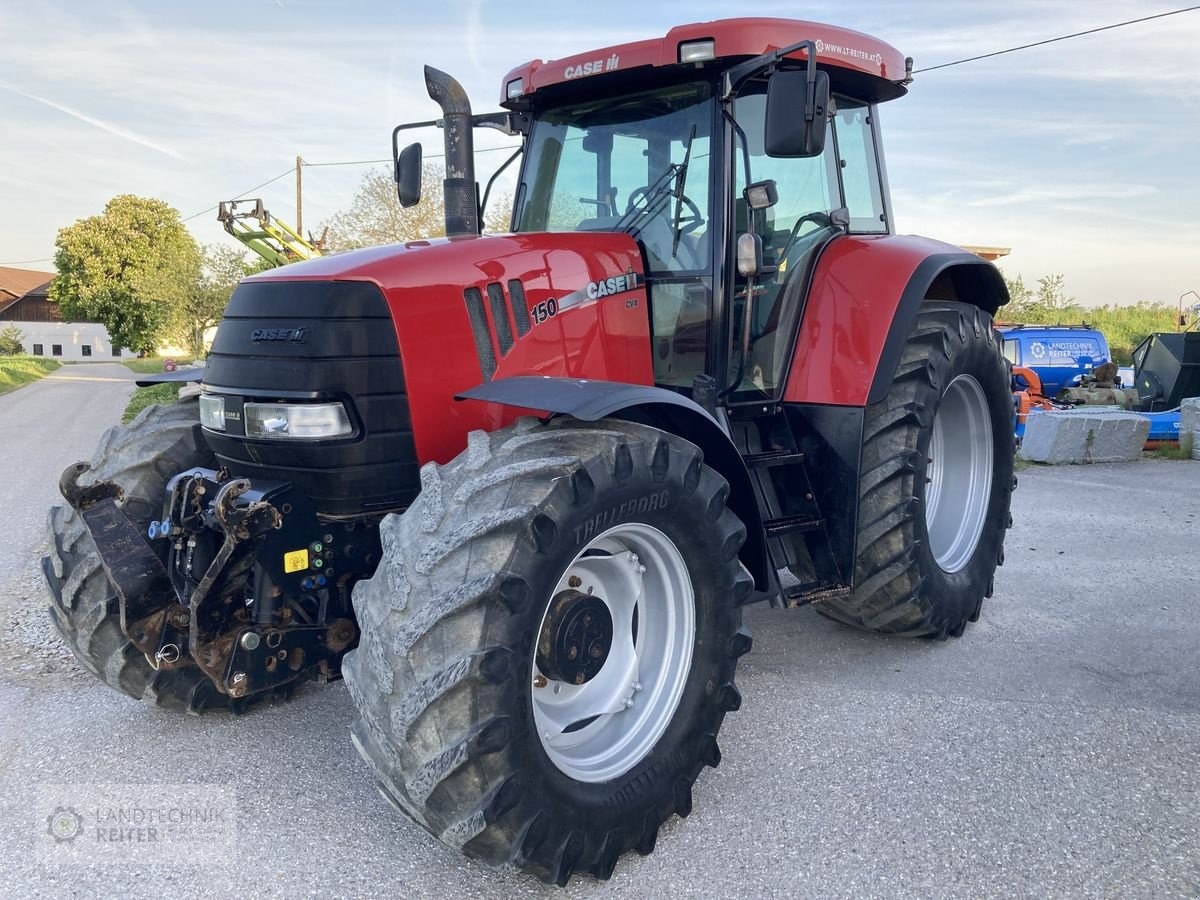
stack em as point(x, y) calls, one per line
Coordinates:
point(527, 546)
point(937, 478)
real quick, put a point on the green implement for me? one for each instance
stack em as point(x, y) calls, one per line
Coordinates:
point(272, 239)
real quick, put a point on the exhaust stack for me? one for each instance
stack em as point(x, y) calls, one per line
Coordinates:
point(461, 192)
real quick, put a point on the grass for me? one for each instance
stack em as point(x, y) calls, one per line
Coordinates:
point(148, 396)
point(1182, 450)
point(18, 370)
point(151, 365)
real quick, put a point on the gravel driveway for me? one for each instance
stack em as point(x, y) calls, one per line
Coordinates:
point(1052, 751)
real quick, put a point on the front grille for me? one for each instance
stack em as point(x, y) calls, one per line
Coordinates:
point(318, 340)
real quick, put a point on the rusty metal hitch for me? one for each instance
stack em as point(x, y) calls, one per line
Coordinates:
point(81, 498)
point(201, 586)
point(239, 524)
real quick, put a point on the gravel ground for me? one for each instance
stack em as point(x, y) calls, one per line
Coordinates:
point(1052, 751)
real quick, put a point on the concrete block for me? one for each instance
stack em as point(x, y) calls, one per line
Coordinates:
point(1189, 423)
point(1081, 436)
point(1189, 415)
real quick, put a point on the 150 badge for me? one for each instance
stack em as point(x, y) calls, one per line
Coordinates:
point(547, 309)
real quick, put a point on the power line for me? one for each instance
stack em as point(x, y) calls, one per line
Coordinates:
point(1064, 37)
point(919, 71)
point(22, 262)
point(312, 165)
point(350, 162)
point(283, 174)
point(369, 162)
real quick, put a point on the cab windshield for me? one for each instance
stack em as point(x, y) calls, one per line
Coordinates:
point(640, 163)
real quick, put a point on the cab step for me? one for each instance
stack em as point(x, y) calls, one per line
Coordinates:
point(792, 525)
point(772, 458)
point(808, 594)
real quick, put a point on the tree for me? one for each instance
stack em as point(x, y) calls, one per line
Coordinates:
point(376, 217)
point(1052, 296)
point(1049, 305)
point(128, 268)
point(201, 307)
point(1020, 300)
point(11, 341)
point(1125, 326)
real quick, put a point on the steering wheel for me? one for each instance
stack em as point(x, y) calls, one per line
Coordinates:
point(687, 225)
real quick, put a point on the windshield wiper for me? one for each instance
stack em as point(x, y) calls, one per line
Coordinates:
point(653, 196)
point(680, 178)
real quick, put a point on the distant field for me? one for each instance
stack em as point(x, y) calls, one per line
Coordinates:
point(18, 370)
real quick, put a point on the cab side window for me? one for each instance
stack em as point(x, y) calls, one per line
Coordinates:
point(791, 231)
point(860, 167)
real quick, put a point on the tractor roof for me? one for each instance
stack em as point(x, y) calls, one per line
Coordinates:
point(875, 68)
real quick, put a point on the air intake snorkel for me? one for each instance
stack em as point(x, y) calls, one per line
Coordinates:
point(461, 192)
point(463, 211)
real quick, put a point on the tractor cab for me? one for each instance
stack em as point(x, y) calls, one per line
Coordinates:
point(732, 152)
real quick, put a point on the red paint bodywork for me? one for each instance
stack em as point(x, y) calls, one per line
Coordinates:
point(851, 306)
point(839, 47)
point(607, 338)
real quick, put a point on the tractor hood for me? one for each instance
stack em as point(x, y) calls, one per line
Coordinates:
point(463, 311)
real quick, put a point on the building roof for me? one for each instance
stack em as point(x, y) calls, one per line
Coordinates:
point(987, 252)
point(16, 283)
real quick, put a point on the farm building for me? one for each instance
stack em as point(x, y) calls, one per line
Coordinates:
point(25, 303)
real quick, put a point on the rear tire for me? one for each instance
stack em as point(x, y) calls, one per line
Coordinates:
point(937, 478)
point(141, 457)
point(478, 579)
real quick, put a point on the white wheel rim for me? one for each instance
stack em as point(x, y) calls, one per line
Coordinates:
point(958, 474)
point(599, 730)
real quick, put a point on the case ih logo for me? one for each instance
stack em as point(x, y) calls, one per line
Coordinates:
point(594, 67)
point(279, 335)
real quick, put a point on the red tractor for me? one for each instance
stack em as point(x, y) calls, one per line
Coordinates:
point(518, 488)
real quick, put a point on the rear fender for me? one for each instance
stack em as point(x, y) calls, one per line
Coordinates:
point(864, 299)
point(589, 400)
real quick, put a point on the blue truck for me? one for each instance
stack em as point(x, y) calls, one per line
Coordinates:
point(1060, 355)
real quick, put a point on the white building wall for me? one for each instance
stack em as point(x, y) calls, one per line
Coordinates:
point(70, 338)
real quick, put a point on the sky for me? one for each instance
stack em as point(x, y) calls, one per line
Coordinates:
point(1082, 156)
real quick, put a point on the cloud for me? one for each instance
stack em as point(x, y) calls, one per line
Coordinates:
point(1064, 149)
point(1017, 194)
point(111, 128)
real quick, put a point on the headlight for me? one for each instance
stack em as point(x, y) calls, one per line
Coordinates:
point(212, 412)
point(299, 420)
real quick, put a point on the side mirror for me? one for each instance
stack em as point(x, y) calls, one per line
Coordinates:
point(408, 175)
point(790, 131)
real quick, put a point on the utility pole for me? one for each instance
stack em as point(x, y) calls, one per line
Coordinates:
point(299, 198)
